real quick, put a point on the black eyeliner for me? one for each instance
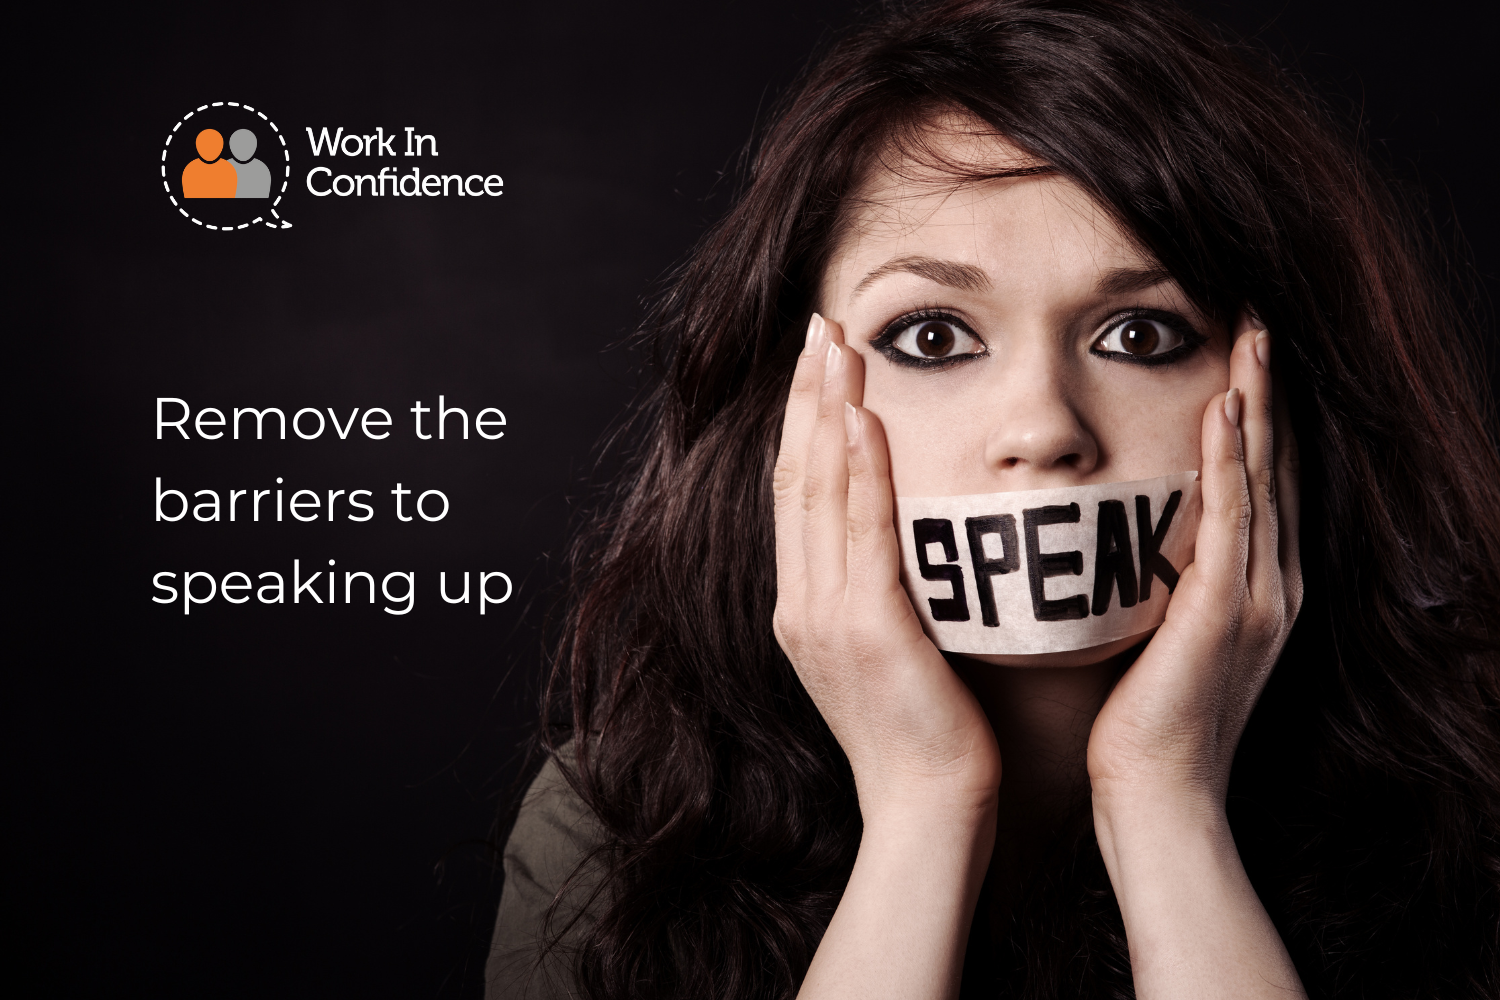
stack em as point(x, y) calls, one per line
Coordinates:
point(1191, 338)
point(886, 340)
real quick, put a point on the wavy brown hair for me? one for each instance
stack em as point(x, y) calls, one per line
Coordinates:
point(1366, 795)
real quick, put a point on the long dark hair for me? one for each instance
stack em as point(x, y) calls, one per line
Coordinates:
point(1366, 797)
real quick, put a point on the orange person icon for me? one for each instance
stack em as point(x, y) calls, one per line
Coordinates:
point(209, 176)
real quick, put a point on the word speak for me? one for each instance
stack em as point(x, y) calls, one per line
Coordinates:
point(1114, 567)
point(1048, 570)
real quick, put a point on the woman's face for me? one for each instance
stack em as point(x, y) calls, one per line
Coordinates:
point(1014, 339)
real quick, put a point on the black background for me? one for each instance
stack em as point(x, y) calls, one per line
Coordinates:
point(293, 800)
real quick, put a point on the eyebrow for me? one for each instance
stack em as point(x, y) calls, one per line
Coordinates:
point(1124, 280)
point(1116, 281)
point(945, 272)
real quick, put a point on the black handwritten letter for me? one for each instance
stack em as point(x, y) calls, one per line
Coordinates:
point(1113, 562)
point(1003, 525)
point(1042, 565)
point(1153, 563)
point(931, 529)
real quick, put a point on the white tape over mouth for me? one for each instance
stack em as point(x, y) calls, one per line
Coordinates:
point(1046, 571)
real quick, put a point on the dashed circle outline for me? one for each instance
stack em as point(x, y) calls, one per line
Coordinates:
point(285, 153)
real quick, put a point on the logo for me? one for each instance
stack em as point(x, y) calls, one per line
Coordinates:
point(227, 184)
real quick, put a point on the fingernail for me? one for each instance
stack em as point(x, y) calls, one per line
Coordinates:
point(1232, 407)
point(833, 360)
point(1263, 349)
point(851, 425)
point(815, 334)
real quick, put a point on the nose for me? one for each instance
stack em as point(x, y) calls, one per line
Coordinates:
point(1038, 438)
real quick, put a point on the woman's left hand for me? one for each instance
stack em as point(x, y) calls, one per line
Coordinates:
point(1160, 750)
point(1171, 725)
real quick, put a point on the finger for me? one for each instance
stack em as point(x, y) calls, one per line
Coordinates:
point(873, 552)
point(802, 400)
point(1250, 372)
point(825, 481)
point(1223, 534)
point(1288, 503)
point(796, 440)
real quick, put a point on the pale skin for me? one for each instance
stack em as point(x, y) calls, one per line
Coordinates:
point(1017, 389)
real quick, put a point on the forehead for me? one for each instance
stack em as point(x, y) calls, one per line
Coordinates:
point(1030, 231)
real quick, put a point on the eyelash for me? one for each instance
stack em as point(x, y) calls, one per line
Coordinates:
point(1191, 338)
point(885, 341)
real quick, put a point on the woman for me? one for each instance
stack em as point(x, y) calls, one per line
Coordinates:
point(995, 246)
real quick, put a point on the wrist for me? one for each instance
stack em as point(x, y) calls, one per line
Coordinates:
point(1146, 821)
point(961, 789)
point(941, 812)
point(928, 802)
point(1136, 799)
point(947, 841)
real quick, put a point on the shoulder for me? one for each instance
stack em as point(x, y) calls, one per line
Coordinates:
point(555, 833)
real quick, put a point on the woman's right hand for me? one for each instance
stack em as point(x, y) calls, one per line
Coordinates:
point(926, 765)
point(915, 736)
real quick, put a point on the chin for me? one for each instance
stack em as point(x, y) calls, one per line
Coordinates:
point(1067, 658)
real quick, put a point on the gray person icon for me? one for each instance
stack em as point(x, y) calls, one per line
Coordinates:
point(254, 176)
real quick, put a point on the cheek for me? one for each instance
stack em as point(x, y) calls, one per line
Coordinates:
point(1141, 438)
point(1149, 424)
point(935, 433)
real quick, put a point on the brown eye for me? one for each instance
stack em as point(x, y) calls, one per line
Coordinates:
point(935, 340)
point(1139, 336)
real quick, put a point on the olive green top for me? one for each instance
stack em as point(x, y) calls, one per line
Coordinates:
point(554, 831)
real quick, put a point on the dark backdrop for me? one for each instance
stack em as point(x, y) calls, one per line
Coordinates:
point(293, 799)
